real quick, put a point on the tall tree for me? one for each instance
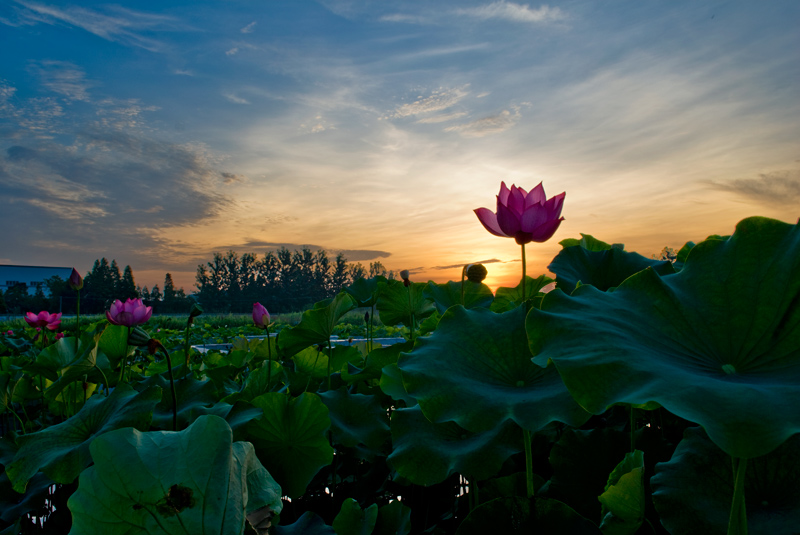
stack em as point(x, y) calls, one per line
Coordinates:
point(127, 289)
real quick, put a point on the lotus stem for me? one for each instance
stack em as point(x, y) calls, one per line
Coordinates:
point(186, 346)
point(269, 358)
point(524, 274)
point(526, 443)
point(172, 388)
point(737, 523)
point(330, 361)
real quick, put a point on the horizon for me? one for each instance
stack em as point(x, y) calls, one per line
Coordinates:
point(158, 133)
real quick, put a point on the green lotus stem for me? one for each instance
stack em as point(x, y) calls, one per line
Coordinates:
point(737, 523)
point(524, 295)
point(526, 442)
point(172, 388)
point(186, 346)
point(330, 360)
point(411, 314)
point(269, 358)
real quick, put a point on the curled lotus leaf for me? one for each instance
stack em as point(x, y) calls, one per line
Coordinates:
point(316, 325)
point(693, 491)
point(476, 370)
point(449, 294)
point(397, 303)
point(717, 343)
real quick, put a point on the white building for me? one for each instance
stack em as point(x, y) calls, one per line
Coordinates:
point(30, 276)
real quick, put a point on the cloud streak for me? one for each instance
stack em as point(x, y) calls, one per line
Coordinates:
point(778, 187)
point(509, 11)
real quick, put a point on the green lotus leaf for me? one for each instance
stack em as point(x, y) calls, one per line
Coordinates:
point(195, 481)
point(316, 325)
point(717, 343)
point(91, 365)
point(427, 453)
point(259, 381)
point(683, 254)
point(353, 520)
point(364, 291)
point(376, 360)
point(509, 486)
point(114, 343)
point(512, 516)
point(291, 439)
point(14, 505)
point(476, 370)
point(237, 415)
point(54, 358)
point(61, 451)
point(604, 269)
point(624, 498)
point(392, 385)
point(394, 518)
point(397, 302)
point(590, 243)
point(356, 419)
point(449, 294)
point(192, 395)
point(694, 490)
point(508, 298)
point(309, 523)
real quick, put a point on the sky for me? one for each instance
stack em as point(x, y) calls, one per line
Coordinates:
point(159, 132)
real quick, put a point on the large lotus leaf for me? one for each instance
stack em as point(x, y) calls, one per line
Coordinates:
point(624, 498)
point(717, 343)
point(364, 291)
point(14, 505)
point(291, 439)
point(114, 343)
point(192, 395)
point(396, 303)
point(309, 523)
point(237, 415)
point(694, 490)
point(196, 481)
point(476, 294)
point(394, 518)
point(92, 365)
point(353, 520)
point(54, 358)
point(590, 243)
point(62, 450)
point(512, 516)
point(259, 381)
point(316, 325)
point(375, 361)
point(602, 269)
point(508, 298)
point(427, 453)
point(392, 385)
point(356, 419)
point(476, 370)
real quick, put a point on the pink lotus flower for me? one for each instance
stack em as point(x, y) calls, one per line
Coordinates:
point(260, 315)
point(43, 319)
point(131, 312)
point(10, 332)
point(524, 216)
point(75, 280)
point(59, 336)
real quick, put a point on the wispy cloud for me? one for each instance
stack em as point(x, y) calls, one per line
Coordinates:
point(452, 266)
point(493, 124)
point(64, 78)
point(249, 28)
point(232, 178)
point(236, 100)
point(443, 117)
point(510, 11)
point(438, 100)
point(120, 25)
point(232, 51)
point(778, 187)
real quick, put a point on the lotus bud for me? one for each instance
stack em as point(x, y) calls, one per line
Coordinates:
point(138, 337)
point(75, 280)
point(366, 317)
point(260, 315)
point(195, 311)
point(476, 273)
point(404, 275)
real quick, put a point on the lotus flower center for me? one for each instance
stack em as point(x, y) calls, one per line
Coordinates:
point(729, 369)
point(520, 383)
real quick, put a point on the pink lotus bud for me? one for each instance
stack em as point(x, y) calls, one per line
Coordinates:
point(75, 280)
point(524, 216)
point(131, 312)
point(43, 319)
point(59, 336)
point(260, 315)
point(476, 272)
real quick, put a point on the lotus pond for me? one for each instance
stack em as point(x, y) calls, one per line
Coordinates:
point(641, 396)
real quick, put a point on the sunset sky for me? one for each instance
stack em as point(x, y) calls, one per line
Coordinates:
point(158, 132)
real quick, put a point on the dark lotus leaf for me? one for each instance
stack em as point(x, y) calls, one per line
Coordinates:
point(394, 518)
point(364, 291)
point(394, 306)
point(508, 298)
point(194, 481)
point(62, 450)
point(237, 415)
point(427, 453)
point(449, 294)
point(356, 419)
point(683, 254)
point(14, 505)
point(192, 395)
point(624, 497)
point(291, 439)
point(717, 343)
point(353, 520)
point(309, 523)
point(316, 325)
point(694, 490)
point(590, 243)
point(476, 370)
point(602, 269)
point(392, 385)
point(512, 516)
point(114, 343)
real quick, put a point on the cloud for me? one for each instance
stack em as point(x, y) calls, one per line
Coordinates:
point(120, 25)
point(232, 51)
point(452, 266)
point(407, 19)
point(249, 28)
point(236, 100)
point(493, 124)
point(439, 100)
point(510, 11)
point(64, 78)
point(777, 187)
point(231, 178)
point(443, 118)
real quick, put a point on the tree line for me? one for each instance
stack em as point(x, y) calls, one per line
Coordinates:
point(283, 280)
